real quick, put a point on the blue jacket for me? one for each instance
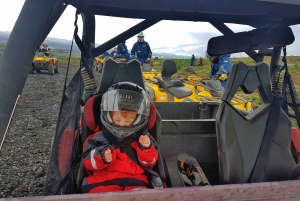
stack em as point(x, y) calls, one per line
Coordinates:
point(43, 50)
point(112, 53)
point(142, 51)
point(122, 49)
point(105, 54)
point(224, 62)
point(192, 61)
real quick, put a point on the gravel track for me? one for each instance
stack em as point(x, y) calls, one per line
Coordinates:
point(25, 153)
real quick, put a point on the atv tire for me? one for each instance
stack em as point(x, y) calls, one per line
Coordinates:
point(100, 68)
point(51, 69)
point(31, 70)
point(56, 68)
point(95, 66)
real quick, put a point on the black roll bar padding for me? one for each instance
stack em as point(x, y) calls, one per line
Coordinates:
point(275, 59)
point(40, 20)
point(123, 36)
point(265, 52)
point(88, 35)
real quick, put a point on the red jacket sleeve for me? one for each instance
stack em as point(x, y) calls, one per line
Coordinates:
point(147, 156)
point(93, 149)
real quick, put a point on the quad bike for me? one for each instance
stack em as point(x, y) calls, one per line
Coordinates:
point(43, 62)
point(166, 89)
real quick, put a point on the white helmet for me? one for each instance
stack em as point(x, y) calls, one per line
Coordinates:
point(140, 37)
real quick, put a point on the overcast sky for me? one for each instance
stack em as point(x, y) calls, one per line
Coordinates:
point(179, 37)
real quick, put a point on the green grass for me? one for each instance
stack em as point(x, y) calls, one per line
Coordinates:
point(2, 46)
point(254, 99)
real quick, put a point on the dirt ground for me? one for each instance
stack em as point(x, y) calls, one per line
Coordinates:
point(26, 149)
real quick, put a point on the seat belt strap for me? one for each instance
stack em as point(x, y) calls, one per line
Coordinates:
point(172, 169)
point(269, 134)
point(131, 152)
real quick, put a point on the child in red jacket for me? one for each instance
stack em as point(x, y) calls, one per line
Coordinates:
point(125, 110)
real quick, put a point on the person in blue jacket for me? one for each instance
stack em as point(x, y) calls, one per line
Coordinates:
point(44, 48)
point(114, 52)
point(122, 49)
point(192, 60)
point(220, 65)
point(141, 49)
point(105, 54)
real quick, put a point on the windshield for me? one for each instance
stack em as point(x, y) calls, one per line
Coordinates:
point(40, 54)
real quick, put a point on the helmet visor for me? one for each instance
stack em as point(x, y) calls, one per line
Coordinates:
point(122, 99)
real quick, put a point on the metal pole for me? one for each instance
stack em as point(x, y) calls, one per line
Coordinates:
point(12, 114)
point(123, 36)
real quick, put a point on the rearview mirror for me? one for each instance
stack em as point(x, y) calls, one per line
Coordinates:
point(256, 39)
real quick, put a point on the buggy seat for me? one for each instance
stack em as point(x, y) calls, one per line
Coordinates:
point(173, 87)
point(240, 136)
point(114, 72)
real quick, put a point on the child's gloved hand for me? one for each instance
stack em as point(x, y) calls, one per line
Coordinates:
point(108, 155)
point(144, 140)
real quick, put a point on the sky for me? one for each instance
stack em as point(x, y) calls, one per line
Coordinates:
point(178, 37)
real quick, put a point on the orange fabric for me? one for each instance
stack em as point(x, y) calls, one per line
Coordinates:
point(296, 140)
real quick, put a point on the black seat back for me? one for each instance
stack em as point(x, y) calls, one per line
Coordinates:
point(168, 68)
point(240, 135)
point(114, 72)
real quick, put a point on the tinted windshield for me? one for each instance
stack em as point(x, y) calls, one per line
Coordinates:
point(40, 54)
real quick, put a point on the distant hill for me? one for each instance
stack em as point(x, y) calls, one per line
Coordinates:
point(62, 47)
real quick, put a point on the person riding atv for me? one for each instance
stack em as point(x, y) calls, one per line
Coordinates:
point(220, 67)
point(44, 48)
point(43, 61)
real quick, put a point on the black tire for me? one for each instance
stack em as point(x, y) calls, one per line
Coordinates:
point(95, 66)
point(31, 69)
point(56, 68)
point(37, 70)
point(100, 68)
point(51, 69)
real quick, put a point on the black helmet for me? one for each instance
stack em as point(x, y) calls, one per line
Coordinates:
point(126, 98)
point(215, 59)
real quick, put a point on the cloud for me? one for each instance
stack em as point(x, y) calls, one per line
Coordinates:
point(177, 37)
